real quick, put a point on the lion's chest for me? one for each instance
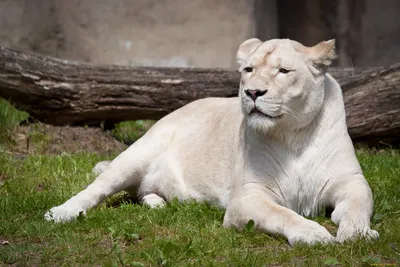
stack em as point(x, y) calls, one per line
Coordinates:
point(301, 185)
point(297, 181)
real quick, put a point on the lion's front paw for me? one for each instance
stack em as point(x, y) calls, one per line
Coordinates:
point(310, 234)
point(63, 213)
point(348, 231)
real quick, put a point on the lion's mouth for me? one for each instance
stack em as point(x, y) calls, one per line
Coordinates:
point(255, 110)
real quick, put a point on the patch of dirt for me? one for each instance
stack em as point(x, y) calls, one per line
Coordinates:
point(48, 139)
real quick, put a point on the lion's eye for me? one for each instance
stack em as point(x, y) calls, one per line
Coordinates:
point(283, 70)
point(248, 69)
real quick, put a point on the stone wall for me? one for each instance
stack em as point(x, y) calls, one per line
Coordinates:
point(204, 33)
point(198, 33)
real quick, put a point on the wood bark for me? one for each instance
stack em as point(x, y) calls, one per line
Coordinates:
point(372, 103)
point(62, 92)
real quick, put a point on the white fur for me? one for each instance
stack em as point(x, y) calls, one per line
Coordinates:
point(294, 158)
point(100, 167)
point(153, 201)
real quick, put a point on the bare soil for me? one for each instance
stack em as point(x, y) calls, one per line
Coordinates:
point(48, 139)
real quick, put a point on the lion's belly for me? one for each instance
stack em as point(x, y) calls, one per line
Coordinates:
point(196, 167)
point(198, 152)
point(171, 178)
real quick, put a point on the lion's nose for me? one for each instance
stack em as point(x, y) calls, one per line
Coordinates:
point(255, 93)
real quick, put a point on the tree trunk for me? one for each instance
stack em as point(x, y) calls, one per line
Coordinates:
point(62, 92)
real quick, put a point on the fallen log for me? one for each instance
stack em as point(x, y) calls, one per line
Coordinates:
point(372, 103)
point(61, 92)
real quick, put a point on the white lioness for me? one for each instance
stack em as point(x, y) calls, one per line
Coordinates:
point(279, 151)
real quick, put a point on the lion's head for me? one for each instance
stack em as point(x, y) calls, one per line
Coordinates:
point(282, 81)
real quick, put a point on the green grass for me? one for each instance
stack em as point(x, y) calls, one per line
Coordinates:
point(178, 235)
point(9, 119)
point(130, 131)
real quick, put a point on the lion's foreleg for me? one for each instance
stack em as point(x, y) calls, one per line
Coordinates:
point(353, 205)
point(272, 218)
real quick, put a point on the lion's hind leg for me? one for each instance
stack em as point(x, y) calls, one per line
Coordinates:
point(107, 184)
point(123, 173)
point(101, 166)
point(153, 201)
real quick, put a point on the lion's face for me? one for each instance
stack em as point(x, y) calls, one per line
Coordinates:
point(282, 82)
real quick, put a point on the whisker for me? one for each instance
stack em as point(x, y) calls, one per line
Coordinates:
point(291, 113)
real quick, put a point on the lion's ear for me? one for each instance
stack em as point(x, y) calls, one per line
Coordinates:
point(322, 54)
point(246, 48)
